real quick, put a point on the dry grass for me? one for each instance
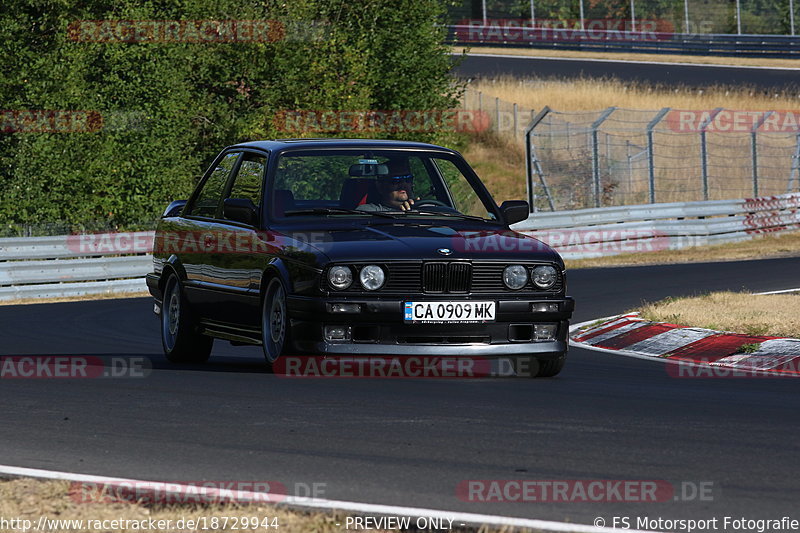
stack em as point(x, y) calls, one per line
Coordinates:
point(767, 314)
point(497, 161)
point(29, 499)
point(594, 95)
point(787, 245)
point(108, 296)
point(703, 60)
point(562, 139)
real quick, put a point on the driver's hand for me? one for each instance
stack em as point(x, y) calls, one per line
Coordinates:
point(406, 206)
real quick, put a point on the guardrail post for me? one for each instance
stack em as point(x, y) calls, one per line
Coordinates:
point(595, 155)
point(532, 164)
point(794, 174)
point(754, 149)
point(651, 167)
point(704, 150)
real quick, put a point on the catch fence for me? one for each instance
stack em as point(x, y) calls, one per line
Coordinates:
point(627, 157)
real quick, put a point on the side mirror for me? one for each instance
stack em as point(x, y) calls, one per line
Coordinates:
point(241, 210)
point(515, 211)
point(174, 209)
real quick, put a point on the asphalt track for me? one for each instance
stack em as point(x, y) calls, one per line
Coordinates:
point(477, 66)
point(411, 441)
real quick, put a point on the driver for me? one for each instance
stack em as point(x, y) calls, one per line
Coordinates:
point(394, 189)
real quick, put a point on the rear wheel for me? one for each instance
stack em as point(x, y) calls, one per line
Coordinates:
point(179, 337)
point(274, 322)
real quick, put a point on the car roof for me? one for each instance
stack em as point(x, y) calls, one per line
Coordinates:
point(311, 144)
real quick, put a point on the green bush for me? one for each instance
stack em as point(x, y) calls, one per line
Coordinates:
point(168, 108)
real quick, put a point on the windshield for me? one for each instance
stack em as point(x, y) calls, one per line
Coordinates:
point(375, 183)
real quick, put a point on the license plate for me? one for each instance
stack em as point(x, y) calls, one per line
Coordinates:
point(431, 312)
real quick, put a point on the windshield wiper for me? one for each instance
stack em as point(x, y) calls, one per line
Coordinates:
point(335, 211)
point(448, 214)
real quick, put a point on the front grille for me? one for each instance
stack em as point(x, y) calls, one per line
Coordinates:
point(440, 277)
point(443, 277)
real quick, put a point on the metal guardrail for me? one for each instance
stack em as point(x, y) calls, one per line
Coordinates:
point(74, 265)
point(785, 46)
point(589, 233)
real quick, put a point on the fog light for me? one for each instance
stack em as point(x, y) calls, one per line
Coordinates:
point(337, 333)
point(544, 307)
point(344, 308)
point(545, 332)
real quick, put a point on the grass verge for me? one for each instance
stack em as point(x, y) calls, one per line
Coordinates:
point(30, 499)
point(764, 314)
point(593, 94)
point(766, 247)
point(700, 60)
point(83, 298)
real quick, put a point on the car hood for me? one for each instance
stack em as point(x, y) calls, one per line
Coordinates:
point(425, 241)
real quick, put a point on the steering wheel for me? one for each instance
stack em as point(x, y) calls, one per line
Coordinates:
point(431, 202)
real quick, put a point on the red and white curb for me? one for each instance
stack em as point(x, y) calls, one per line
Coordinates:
point(634, 336)
point(459, 519)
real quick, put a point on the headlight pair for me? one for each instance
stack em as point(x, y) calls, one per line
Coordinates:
point(372, 277)
point(516, 277)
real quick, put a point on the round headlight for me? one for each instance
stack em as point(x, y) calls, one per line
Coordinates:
point(515, 277)
point(372, 277)
point(340, 277)
point(544, 277)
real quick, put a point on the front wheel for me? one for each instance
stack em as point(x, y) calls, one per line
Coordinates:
point(550, 368)
point(274, 322)
point(536, 367)
point(179, 337)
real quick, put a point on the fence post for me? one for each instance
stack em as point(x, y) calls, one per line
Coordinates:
point(531, 163)
point(704, 150)
point(515, 120)
point(651, 167)
point(754, 149)
point(595, 155)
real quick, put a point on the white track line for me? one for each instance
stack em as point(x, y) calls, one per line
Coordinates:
point(596, 60)
point(459, 519)
point(778, 292)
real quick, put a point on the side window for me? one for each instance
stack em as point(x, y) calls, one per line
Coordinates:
point(423, 188)
point(208, 200)
point(466, 199)
point(248, 180)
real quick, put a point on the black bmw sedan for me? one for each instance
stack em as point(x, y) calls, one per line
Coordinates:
point(331, 247)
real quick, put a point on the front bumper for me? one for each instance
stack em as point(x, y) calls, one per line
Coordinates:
point(379, 329)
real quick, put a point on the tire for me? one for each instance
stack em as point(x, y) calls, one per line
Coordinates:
point(179, 337)
point(275, 334)
point(535, 367)
point(550, 368)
